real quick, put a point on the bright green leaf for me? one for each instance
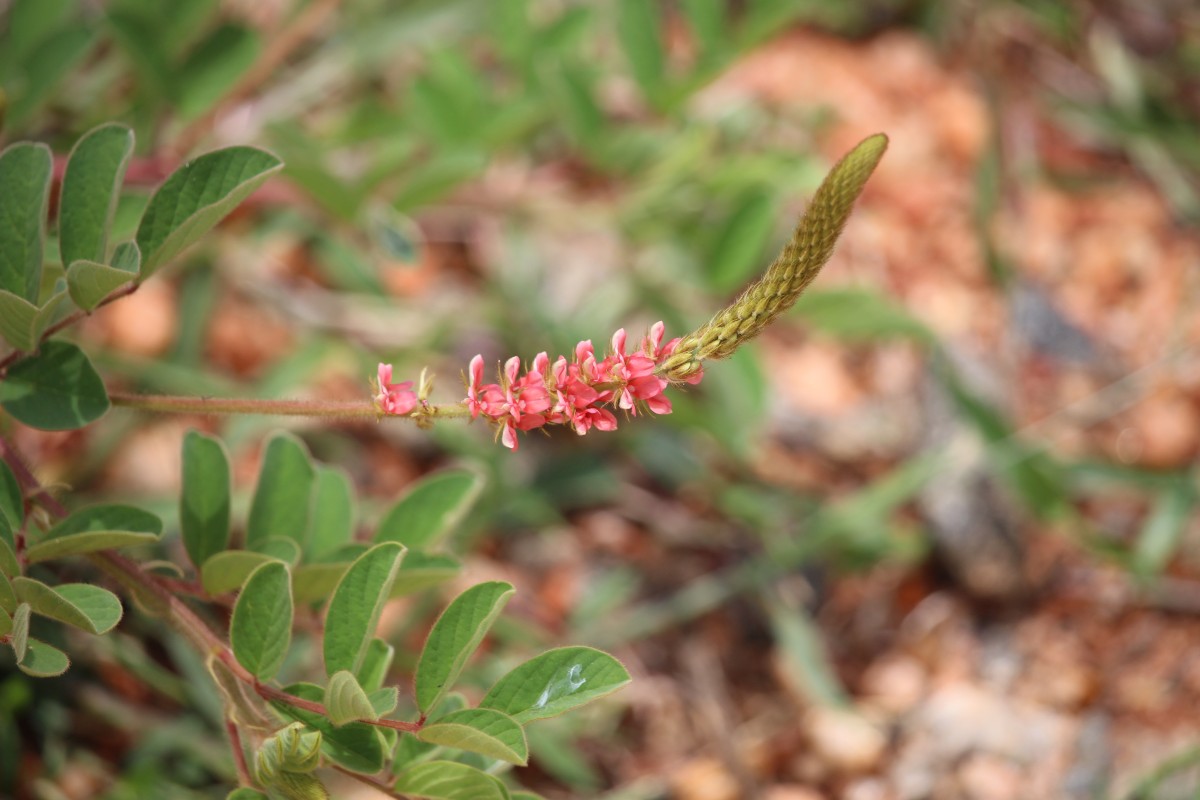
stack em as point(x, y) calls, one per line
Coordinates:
point(454, 637)
point(345, 700)
point(90, 608)
point(25, 170)
point(356, 604)
point(196, 197)
point(480, 730)
point(43, 661)
point(89, 282)
point(204, 504)
point(228, 570)
point(420, 571)
point(282, 497)
point(376, 663)
point(448, 780)
point(332, 521)
point(356, 746)
point(91, 184)
point(430, 509)
point(554, 682)
point(22, 323)
point(97, 528)
point(8, 598)
point(19, 638)
point(56, 389)
point(261, 628)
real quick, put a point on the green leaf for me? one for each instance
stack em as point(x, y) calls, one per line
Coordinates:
point(313, 582)
point(126, 257)
point(638, 27)
point(12, 499)
point(332, 522)
point(345, 700)
point(376, 663)
point(213, 68)
point(554, 682)
point(6, 623)
point(204, 504)
point(282, 497)
point(97, 528)
point(243, 793)
point(859, 315)
point(356, 604)
point(228, 570)
point(50, 61)
point(261, 628)
point(196, 197)
point(22, 323)
point(90, 187)
point(8, 559)
point(19, 638)
point(480, 730)
point(357, 746)
point(525, 796)
point(280, 547)
point(89, 282)
point(43, 661)
point(90, 608)
point(420, 571)
point(454, 637)
point(1164, 527)
point(384, 700)
point(741, 240)
point(56, 389)
point(25, 179)
point(430, 509)
point(8, 598)
point(447, 780)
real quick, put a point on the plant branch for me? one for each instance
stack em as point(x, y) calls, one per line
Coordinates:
point(351, 409)
point(239, 754)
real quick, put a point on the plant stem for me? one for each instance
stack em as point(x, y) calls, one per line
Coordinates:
point(239, 755)
point(70, 319)
point(351, 409)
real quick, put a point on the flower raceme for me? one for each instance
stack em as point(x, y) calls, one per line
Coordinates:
point(580, 393)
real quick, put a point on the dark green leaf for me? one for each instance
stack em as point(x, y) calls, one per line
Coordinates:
point(430, 509)
point(12, 499)
point(196, 197)
point(356, 604)
point(97, 528)
point(741, 240)
point(87, 607)
point(261, 628)
point(25, 177)
point(214, 67)
point(51, 60)
point(8, 559)
point(56, 389)
point(8, 597)
point(204, 504)
point(454, 637)
point(91, 184)
point(554, 682)
point(283, 495)
point(480, 730)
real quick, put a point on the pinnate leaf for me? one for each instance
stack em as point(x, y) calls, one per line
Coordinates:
point(454, 637)
point(480, 730)
point(448, 780)
point(430, 509)
point(56, 389)
point(282, 497)
point(204, 504)
point(356, 604)
point(90, 608)
point(97, 528)
point(346, 701)
point(196, 197)
point(91, 184)
point(555, 682)
point(24, 180)
point(261, 628)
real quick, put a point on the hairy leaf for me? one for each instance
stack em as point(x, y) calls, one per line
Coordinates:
point(356, 746)
point(90, 187)
point(356, 604)
point(448, 780)
point(42, 660)
point(454, 637)
point(261, 628)
point(25, 170)
point(480, 730)
point(90, 608)
point(283, 495)
point(228, 570)
point(95, 528)
point(204, 504)
point(56, 389)
point(346, 701)
point(430, 509)
point(554, 682)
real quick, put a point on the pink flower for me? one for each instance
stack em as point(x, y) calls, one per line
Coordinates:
point(634, 374)
point(394, 398)
point(654, 348)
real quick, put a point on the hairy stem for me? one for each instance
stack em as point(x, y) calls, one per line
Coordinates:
point(352, 409)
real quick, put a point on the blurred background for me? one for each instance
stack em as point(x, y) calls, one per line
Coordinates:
point(934, 535)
